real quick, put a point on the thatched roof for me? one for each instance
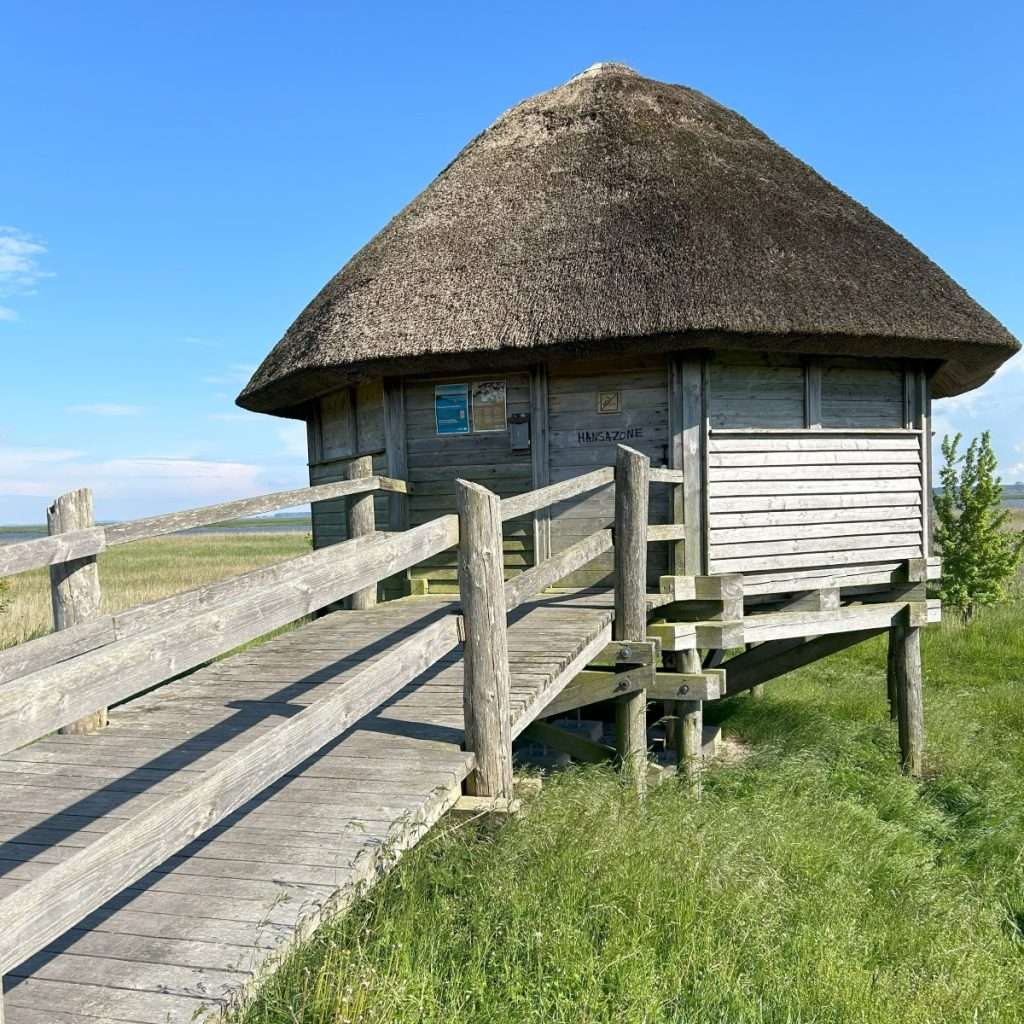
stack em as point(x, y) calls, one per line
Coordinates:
point(614, 213)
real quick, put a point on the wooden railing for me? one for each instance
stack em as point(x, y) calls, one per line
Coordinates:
point(70, 552)
point(57, 680)
point(85, 542)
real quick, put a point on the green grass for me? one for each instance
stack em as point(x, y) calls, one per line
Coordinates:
point(134, 574)
point(814, 882)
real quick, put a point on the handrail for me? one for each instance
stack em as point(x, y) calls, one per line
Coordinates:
point(63, 547)
point(557, 567)
point(533, 501)
point(83, 637)
point(33, 655)
point(32, 706)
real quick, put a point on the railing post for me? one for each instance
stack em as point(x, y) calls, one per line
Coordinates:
point(486, 701)
point(631, 504)
point(75, 585)
point(361, 523)
point(690, 747)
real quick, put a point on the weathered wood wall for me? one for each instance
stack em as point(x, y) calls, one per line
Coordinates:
point(347, 423)
point(746, 390)
point(797, 503)
point(582, 438)
point(813, 466)
point(853, 395)
point(437, 461)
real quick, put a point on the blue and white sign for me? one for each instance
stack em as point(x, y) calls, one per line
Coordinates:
point(451, 408)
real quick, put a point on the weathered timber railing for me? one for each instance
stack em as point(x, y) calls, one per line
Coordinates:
point(70, 552)
point(59, 679)
point(83, 543)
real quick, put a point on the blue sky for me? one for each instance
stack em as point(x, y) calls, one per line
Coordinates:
point(178, 180)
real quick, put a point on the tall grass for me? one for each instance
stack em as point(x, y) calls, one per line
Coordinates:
point(132, 574)
point(814, 883)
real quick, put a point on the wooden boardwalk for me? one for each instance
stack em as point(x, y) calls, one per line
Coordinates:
point(198, 930)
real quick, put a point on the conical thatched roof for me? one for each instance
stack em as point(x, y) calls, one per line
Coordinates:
point(616, 212)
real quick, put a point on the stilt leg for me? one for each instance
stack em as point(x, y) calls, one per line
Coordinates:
point(690, 729)
point(631, 738)
point(910, 708)
point(691, 749)
point(757, 694)
point(669, 713)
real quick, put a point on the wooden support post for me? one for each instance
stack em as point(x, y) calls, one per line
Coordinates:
point(397, 446)
point(909, 704)
point(693, 454)
point(486, 701)
point(631, 514)
point(75, 585)
point(757, 693)
point(812, 394)
point(677, 550)
point(361, 523)
point(540, 459)
point(690, 747)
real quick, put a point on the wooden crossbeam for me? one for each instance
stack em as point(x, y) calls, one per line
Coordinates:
point(848, 619)
point(701, 588)
point(624, 653)
point(706, 685)
point(594, 685)
point(688, 636)
point(776, 658)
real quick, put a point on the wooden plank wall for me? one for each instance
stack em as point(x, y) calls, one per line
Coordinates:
point(436, 462)
point(823, 504)
point(800, 505)
point(747, 390)
point(347, 423)
point(853, 395)
point(581, 439)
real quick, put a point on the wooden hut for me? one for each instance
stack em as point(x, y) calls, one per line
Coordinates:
point(621, 260)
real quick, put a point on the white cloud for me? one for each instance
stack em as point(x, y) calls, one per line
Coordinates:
point(106, 409)
point(19, 258)
point(997, 407)
point(20, 271)
point(230, 417)
point(293, 437)
point(159, 482)
point(236, 375)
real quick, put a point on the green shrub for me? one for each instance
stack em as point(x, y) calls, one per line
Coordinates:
point(979, 554)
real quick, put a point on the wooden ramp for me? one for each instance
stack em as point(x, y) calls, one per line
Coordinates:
point(199, 929)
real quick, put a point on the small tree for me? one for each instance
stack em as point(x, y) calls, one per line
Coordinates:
point(979, 555)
